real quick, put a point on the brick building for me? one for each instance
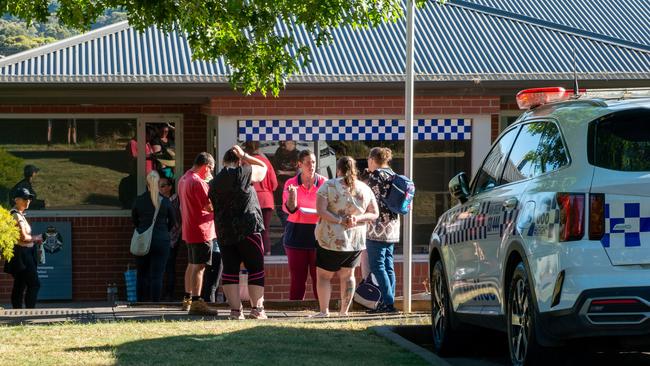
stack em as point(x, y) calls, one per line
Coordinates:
point(71, 107)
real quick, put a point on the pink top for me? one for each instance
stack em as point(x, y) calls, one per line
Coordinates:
point(306, 199)
point(198, 223)
point(266, 187)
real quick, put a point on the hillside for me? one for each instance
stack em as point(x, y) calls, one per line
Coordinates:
point(16, 36)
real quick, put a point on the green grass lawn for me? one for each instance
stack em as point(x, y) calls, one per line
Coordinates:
point(203, 343)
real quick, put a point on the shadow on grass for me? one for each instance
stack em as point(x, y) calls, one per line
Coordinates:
point(262, 345)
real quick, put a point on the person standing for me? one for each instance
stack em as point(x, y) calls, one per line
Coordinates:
point(151, 266)
point(197, 230)
point(239, 223)
point(286, 163)
point(264, 191)
point(29, 173)
point(166, 186)
point(384, 232)
point(299, 202)
point(345, 206)
point(23, 265)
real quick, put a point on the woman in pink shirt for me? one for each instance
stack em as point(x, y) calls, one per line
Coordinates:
point(264, 191)
point(299, 201)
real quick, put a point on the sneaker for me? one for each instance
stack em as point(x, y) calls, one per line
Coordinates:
point(187, 303)
point(236, 314)
point(200, 307)
point(258, 313)
point(383, 309)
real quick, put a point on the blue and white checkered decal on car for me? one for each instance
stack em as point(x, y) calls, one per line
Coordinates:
point(352, 129)
point(626, 225)
point(458, 225)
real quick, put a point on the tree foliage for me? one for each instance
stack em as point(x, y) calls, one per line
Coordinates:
point(255, 37)
point(9, 234)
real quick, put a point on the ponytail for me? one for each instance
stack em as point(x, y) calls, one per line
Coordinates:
point(348, 170)
point(152, 184)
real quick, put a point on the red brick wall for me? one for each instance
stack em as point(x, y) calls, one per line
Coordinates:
point(348, 105)
point(277, 281)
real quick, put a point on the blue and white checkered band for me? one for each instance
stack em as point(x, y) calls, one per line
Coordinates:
point(626, 225)
point(352, 129)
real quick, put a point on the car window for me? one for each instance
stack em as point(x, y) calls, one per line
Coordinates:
point(538, 149)
point(489, 174)
point(621, 141)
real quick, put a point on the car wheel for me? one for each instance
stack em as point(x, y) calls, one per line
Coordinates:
point(441, 313)
point(521, 318)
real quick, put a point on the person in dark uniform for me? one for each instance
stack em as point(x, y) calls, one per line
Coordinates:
point(29, 173)
point(23, 265)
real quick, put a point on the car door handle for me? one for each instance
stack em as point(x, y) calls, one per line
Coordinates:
point(510, 203)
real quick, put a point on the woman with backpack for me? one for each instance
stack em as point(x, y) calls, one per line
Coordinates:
point(383, 232)
point(345, 205)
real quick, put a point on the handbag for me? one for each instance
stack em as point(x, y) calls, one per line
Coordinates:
point(141, 242)
point(367, 293)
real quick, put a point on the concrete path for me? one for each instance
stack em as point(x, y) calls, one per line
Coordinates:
point(93, 312)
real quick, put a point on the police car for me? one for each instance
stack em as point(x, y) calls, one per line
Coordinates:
point(551, 239)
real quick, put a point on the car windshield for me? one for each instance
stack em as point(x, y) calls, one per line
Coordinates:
point(621, 141)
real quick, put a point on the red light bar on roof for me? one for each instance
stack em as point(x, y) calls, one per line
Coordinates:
point(530, 98)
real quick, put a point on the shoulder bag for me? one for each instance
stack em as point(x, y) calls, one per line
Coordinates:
point(141, 242)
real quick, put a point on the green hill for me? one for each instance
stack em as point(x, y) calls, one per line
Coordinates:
point(16, 36)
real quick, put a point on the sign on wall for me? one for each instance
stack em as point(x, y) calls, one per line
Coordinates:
point(352, 129)
point(55, 274)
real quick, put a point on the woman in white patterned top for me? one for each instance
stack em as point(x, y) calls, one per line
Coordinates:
point(345, 205)
point(384, 232)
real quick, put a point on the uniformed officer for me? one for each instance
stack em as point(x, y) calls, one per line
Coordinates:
point(29, 172)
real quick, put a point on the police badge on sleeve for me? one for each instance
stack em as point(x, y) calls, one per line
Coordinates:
point(52, 240)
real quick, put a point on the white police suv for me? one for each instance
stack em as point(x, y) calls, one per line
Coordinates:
point(551, 239)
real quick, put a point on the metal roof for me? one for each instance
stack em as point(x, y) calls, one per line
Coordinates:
point(475, 40)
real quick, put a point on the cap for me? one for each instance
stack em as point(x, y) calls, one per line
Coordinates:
point(23, 193)
point(29, 170)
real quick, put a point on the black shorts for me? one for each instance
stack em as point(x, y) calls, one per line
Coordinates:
point(332, 261)
point(199, 253)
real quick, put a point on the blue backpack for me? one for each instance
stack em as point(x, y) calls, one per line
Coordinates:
point(400, 195)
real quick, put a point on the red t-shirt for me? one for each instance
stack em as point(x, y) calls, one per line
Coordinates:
point(198, 224)
point(266, 187)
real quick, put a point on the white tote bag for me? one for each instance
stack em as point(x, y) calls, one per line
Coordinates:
point(141, 242)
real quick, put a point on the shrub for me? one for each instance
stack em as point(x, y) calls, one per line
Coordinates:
point(9, 234)
point(11, 171)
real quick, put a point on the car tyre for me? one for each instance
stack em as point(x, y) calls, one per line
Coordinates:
point(522, 318)
point(441, 312)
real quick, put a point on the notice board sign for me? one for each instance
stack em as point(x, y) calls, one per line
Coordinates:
point(56, 273)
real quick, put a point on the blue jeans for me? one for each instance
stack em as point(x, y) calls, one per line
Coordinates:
point(380, 258)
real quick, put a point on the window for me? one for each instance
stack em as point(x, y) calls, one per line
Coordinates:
point(622, 141)
point(539, 149)
point(489, 174)
point(434, 164)
point(83, 163)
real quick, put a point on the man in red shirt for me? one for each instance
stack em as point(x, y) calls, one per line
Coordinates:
point(198, 230)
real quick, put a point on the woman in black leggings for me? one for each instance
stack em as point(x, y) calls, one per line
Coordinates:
point(24, 262)
point(239, 223)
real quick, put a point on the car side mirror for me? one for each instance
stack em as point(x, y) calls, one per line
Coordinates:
point(459, 188)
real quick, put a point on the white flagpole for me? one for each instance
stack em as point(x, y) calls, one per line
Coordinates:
point(408, 155)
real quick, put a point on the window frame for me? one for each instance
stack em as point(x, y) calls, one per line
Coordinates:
point(472, 187)
point(141, 120)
